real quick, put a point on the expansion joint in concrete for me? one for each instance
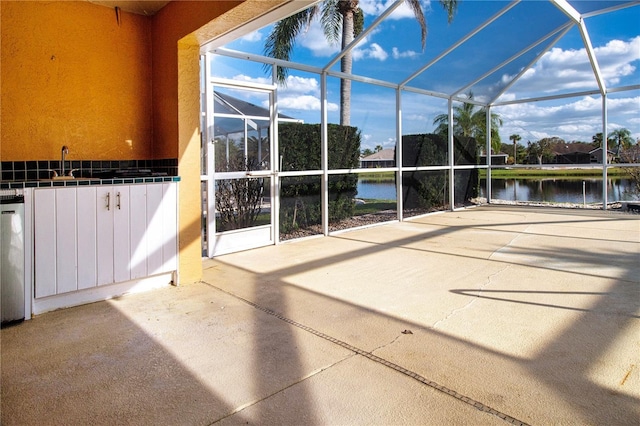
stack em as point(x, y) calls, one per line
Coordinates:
point(369, 355)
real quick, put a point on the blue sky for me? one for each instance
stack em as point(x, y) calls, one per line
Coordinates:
point(392, 52)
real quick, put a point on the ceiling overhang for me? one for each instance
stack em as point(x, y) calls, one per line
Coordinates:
point(140, 7)
point(249, 16)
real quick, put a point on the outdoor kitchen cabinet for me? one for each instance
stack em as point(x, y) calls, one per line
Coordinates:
point(92, 236)
point(55, 247)
point(113, 238)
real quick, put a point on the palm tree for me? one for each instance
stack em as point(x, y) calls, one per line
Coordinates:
point(621, 138)
point(340, 19)
point(515, 138)
point(470, 121)
point(597, 140)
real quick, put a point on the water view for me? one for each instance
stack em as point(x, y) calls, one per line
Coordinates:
point(548, 190)
point(558, 190)
point(376, 190)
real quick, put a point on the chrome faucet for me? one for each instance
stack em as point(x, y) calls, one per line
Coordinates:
point(65, 151)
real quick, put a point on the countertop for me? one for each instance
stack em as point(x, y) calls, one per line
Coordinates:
point(49, 183)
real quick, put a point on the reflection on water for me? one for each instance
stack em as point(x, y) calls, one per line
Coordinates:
point(376, 190)
point(558, 190)
point(549, 190)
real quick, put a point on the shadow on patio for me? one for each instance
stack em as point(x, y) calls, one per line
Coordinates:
point(469, 317)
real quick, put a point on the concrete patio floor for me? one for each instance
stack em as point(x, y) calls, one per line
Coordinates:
point(490, 315)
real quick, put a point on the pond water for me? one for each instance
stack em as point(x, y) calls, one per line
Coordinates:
point(376, 190)
point(558, 190)
point(549, 190)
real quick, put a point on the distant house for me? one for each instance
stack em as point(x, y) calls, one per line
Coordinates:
point(572, 153)
point(499, 159)
point(383, 158)
point(596, 156)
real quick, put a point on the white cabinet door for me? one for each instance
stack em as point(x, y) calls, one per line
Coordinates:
point(87, 236)
point(169, 227)
point(99, 235)
point(137, 230)
point(105, 205)
point(121, 245)
point(66, 240)
point(155, 229)
point(44, 216)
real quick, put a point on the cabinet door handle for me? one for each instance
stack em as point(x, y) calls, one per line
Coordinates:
point(118, 200)
point(108, 200)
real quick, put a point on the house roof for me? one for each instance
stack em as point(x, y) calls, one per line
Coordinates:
point(227, 104)
point(600, 149)
point(385, 154)
point(572, 148)
point(257, 116)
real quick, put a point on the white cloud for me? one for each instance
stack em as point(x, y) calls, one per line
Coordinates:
point(314, 39)
point(377, 7)
point(252, 37)
point(301, 93)
point(374, 51)
point(397, 54)
point(304, 103)
point(374, 7)
point(247, 79)
point(561, 69)
point(574, 120)
point(301, 85)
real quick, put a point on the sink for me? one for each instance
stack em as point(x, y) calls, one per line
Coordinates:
point(63, 178)
point(127, 173)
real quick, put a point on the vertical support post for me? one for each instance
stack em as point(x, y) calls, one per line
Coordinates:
point(324, 144)
point(488, 149)
point(605, 151)
point(274, 157)
point(260, 140)
point(210, 148)
point(399, 200)
point(451, 159)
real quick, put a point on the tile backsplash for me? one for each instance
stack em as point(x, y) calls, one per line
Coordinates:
point(41, 169)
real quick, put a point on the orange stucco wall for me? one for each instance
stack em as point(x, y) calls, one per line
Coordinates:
point(176, 112)
point(176, 22)
point(72, 75)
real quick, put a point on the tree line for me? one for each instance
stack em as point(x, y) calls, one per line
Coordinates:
point(619, 142)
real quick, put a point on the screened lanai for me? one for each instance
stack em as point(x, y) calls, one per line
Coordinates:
point(548, 78)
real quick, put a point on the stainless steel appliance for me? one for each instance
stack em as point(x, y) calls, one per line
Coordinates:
point(12, 244)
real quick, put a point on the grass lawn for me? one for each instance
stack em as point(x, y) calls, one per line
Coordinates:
point(538, 173)
point(377, 177)
point(374, 206)
point(512, 174)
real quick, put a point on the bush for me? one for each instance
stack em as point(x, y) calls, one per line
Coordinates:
point(429, 189)
point(238, 201)
point(300, 200)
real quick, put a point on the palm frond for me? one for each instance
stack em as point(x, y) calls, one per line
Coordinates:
point(280, 42)
point(419, 14)
point(331, 21)
point(450, 6)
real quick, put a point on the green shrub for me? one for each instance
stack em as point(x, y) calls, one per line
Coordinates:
point(300, 201)
point(429, 189)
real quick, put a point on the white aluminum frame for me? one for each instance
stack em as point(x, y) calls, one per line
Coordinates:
point(575, 19)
